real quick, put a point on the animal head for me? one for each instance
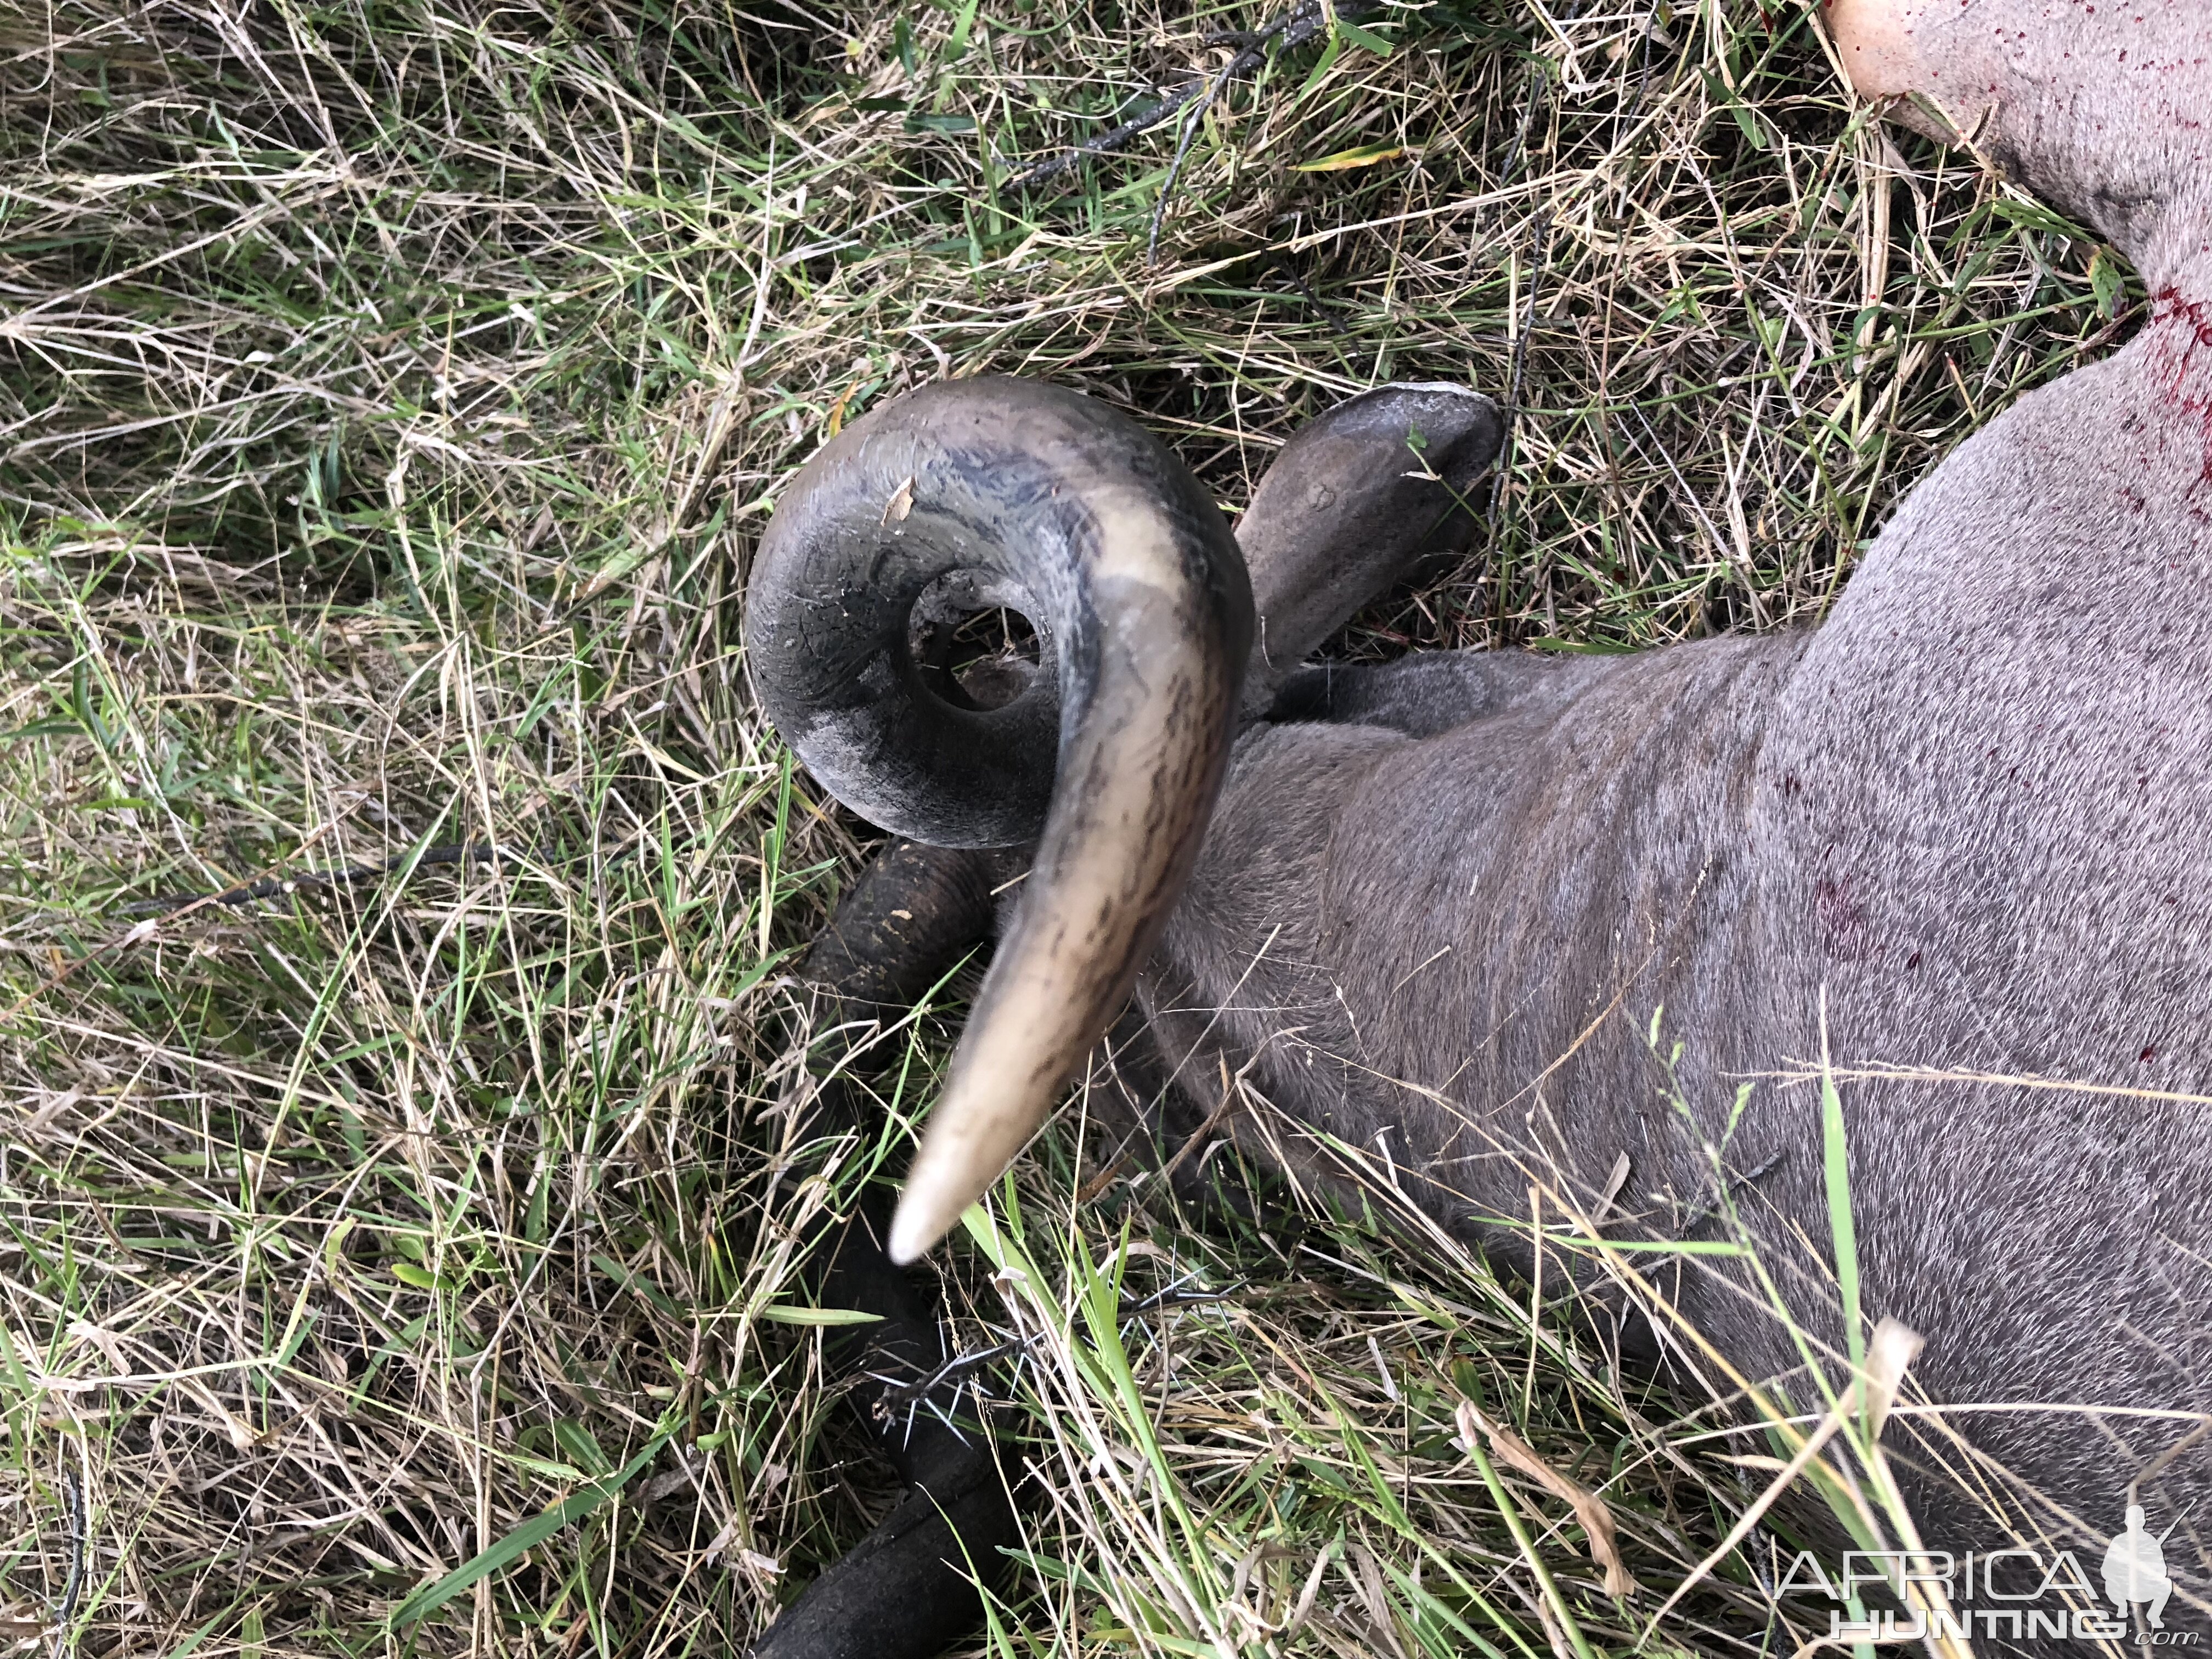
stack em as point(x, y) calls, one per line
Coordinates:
point(1159, 634)
point(1152, 624)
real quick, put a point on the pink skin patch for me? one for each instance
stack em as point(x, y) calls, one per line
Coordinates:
point(1874, 38)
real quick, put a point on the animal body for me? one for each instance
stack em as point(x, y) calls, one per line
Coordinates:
point(1953, 839)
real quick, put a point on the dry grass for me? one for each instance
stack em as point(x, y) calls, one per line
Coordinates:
point(389, 397)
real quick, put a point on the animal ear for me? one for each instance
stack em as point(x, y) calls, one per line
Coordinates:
point(1349, 506)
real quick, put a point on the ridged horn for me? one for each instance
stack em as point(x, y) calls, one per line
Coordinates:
point(1027, 495)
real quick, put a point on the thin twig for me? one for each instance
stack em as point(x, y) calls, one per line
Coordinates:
point(914, 1391)
point(1183, 143)
point(1292, 28)
point(1322, 308)
point(141, 931)
point(1536, 268)
point(459, 852)
point(65, 1612)
point(1502, 468)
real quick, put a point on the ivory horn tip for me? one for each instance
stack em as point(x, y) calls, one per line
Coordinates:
point(923, 1217)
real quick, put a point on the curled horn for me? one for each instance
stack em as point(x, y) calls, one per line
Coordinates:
point(1026, 495)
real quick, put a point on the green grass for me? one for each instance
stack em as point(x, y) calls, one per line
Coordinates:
point(390, 395)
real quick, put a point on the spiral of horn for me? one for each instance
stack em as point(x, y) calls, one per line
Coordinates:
point(1022, 494)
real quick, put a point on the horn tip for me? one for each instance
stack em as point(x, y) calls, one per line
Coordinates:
point(916, 1226)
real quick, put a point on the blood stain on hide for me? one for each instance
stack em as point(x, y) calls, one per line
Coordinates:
point(2180, 329)
point(1841, 918)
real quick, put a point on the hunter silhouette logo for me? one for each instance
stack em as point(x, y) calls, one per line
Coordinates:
point(2015, 1595)
point(2135, 1569)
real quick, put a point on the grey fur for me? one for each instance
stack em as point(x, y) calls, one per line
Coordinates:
point(1970, 812)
